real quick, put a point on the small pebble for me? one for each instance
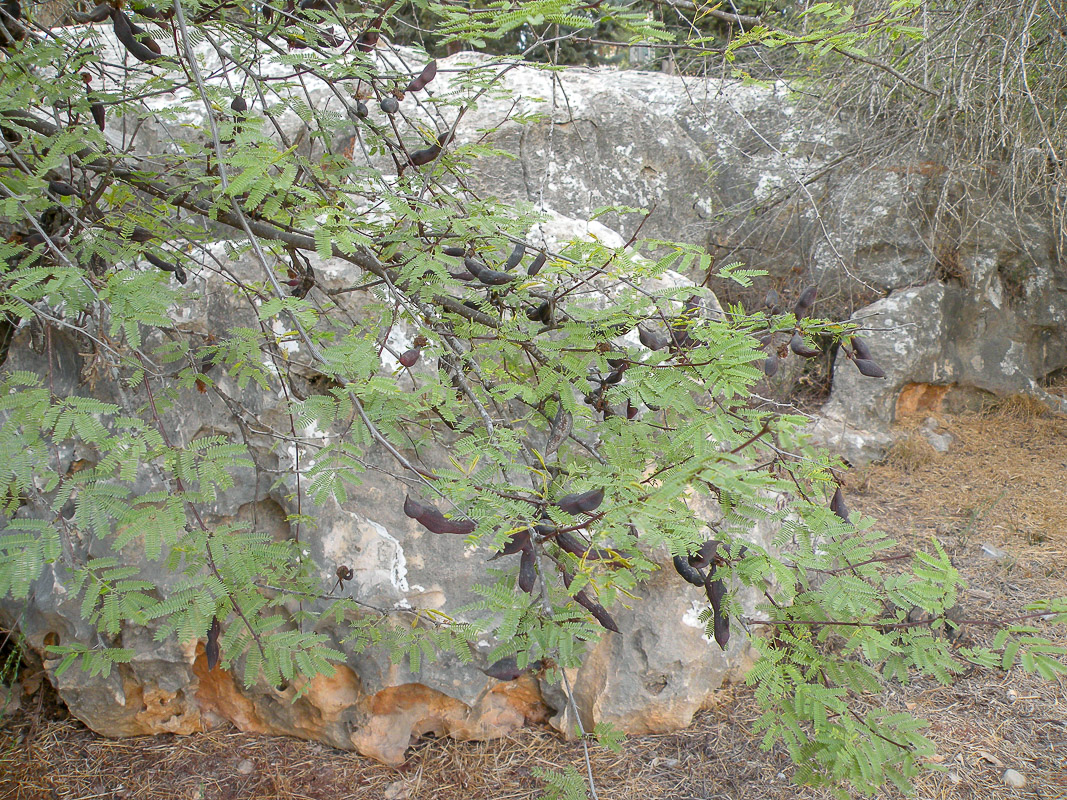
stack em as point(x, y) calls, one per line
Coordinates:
point(396, 791)
point(1014, 779)
point(245, 766)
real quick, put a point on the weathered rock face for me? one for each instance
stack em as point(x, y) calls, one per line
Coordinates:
point(959, 287)
point(653, 677)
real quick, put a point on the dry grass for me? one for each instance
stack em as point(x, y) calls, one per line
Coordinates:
point(1002, 484)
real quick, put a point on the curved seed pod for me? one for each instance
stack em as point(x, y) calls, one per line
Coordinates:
point(410, 357)
point(861, 348)
point(631, 409)
point(651, 339)
point(705, 555)
point(598, 611)
point(139, 234)
point(575, 546)
point(362, 112)
point(492, 277)
point(97, 13)
point(536, 264)
point(239, 105)
point(166, 266)
point(151, 12)
point(613, 377)
point(541, 313)
point(518, 541)
point(771, 301)
point(716, 591)
point(475, 268)
point(429, 72)
point(798, 346)
point(462, 276)
point(587, 502)
point(507, 669)
point(97, 110)
point(389, 104)
point(420, 157)
point(369, 38)
point(137, 43)
point(527, 570)
point(457, 252)
point(691, 574)
point(62, 188)
point(869, 368)
point(434, 521)
point(211, 648)
point(837, 504)
point(770, 365)
point(805, 302)
point(515, 257)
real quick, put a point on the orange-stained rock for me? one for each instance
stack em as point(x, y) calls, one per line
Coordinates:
point(916, 397)
point(333, 694)
point(219, 698)
point(398, 715)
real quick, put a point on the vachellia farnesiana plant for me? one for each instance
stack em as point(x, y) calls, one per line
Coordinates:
point(584, 394)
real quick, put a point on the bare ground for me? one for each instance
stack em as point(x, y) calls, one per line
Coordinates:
point(1003, 484)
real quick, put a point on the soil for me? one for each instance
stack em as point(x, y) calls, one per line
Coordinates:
point(1001, 488)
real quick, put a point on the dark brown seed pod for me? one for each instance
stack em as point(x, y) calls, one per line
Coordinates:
point(613, 377)
point(515, 257)
point(691, 574)
point(137, 43)
point(151, 12)
point(837, 504)
point(362, 112)
point(415, 86)
point(703, 557)
point(716, 591)
point(527, 570)
point(492, 277)
point(410, 357)
point(598, 611)
point(518, 541)
point(575, 546)
point(429, 72)
point(861, 348)
point(211, 648)
point(139, 234)
point(651, 339)
point(455, 252)
point(541, 313)
point(507, 669)
point(770, 365)
point(536, 264)
point(369, 38)
point(434, 521)
point(97, 110)
point(798, 346)
point(772, 302)
point(389, 104)
point(97, 13)
point(239, 105)
point(631, 409)
point(586, 503)
point(420, 157)
point(869, 368)
point(166, 266)
point(62, 188)
point(805, 302)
